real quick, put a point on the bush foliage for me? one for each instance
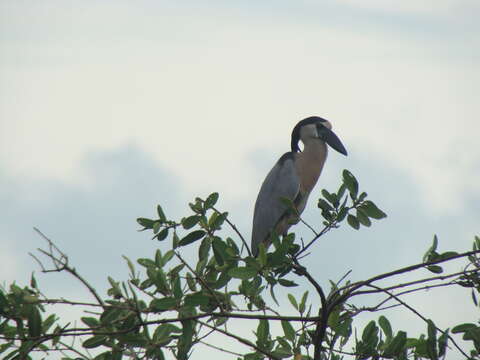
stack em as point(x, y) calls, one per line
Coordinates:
point(171, 304)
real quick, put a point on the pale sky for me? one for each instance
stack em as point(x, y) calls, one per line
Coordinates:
point(110, 107)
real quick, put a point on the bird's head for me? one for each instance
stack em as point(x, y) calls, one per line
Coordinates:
point(317, 128)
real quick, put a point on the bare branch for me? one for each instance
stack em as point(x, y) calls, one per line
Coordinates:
point(60, 262)
point(354, 286)
point(410, 283)
point(321, 326)
point(220, 349)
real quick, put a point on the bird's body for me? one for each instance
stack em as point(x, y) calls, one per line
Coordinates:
point(293, 177)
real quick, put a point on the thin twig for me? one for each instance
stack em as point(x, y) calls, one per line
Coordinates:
point(220, 349)
point(62, 264)
point(200, 279)
point(433, 278)
point(354, 286)
point(309, 226)
point(236, 230)
point(321, 233)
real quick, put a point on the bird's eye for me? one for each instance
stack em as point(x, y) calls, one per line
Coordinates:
point(321, 131)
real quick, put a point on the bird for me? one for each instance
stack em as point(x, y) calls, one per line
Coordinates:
point(292, 177)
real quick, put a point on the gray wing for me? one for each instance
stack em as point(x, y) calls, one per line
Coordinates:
point(281, 181)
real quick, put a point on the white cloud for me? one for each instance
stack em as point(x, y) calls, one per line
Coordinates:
point(200, 106)
point(410, 6)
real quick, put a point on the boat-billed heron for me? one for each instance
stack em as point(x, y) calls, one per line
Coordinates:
point(293, 177)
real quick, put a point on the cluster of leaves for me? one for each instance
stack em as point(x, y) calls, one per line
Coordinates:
point(432, 255)
point(20, 316)
point(383, 344)
point(335, 207)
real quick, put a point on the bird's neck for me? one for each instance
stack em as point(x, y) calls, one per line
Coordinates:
point(310, 163)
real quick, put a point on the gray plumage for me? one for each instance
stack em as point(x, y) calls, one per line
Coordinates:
point(281, 182)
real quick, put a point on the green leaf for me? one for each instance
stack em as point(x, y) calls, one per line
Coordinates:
point(48, 322)
point(293, 301)
point(146, 262)
point(362, 196)
point(219, 220)
point(363, 219)
point(191, 282)
point(162, 333)
point(204, 248)
point(351, 183)
point(463, 328)
point(243, 273)
point(3, 301)
point(396, 346)
point(34, 322)
point(432, 340)
point(90, 322)
point(146, 223)
point(161, 214)
point(262, 254)
point(432, 330)
point(192, 237)
point(167, 257)
point(166, 303)
point(156, 227)
point(190, 221)
point(448, 254)
point(177, 288)
point(211, 200)
point(176, 270)
point(219, 250)
point(95, 341)
point(223, 280)
point(263, 330)
point(370, 331)
point(197, 299)
point(341, 191)
point(288, 330)
point(325, 206)
point(162, 235)
point(433, 247)
point(435, 269)
point(131, 267)
point(342, 213)
point(442, 343)
point(332, 198)
point(287, 283)
point(372, 211)
point(158, 258)
point(303, 302)
point(386, 327)
point(33, 282)
point(175, 240)
point(353, 222)
point(110, 315)
point(185, 340)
